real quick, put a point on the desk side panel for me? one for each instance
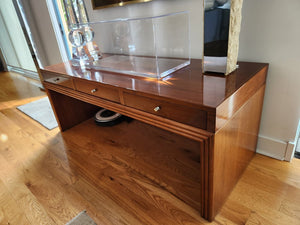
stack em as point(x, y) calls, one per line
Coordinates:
point(234, 146)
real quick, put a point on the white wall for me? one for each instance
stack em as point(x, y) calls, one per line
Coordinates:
point(270, 33)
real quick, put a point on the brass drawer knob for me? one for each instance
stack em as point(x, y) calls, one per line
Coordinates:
point(94, 90)
point(157, 108)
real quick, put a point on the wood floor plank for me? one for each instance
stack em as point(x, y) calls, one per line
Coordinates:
point(264, 198)
point(26, 201)
point(290, 208)
point(286, 172)
point(16, 87)
point(10, 213)
point(16, 90)
point(271, 184)
point(233, 212)
point(256, 219)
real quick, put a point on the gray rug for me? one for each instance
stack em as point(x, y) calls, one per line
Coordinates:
point(40, 111)
point(81, 219)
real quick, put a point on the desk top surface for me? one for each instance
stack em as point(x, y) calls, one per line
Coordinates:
point(188, 84)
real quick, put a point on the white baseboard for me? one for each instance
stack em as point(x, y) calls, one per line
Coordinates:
point(272, 148)
point(24, 72)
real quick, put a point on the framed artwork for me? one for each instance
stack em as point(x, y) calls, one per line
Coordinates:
point(100, 4)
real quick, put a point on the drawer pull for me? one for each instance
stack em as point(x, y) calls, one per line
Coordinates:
point(157, 108)
point(94, 90)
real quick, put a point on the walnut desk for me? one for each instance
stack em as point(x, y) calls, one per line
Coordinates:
point(222, 114)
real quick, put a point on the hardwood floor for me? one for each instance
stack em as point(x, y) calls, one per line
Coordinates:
point(48, 177)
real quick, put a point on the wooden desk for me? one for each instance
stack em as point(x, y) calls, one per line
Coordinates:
point(222, 114)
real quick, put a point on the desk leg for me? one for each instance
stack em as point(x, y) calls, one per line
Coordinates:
point(70, 111)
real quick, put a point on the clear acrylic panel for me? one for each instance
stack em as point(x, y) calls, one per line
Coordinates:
point(148, 47)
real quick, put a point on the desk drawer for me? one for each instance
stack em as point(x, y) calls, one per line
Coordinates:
point(180, 113)
point(54, 78)
point(98, 90)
